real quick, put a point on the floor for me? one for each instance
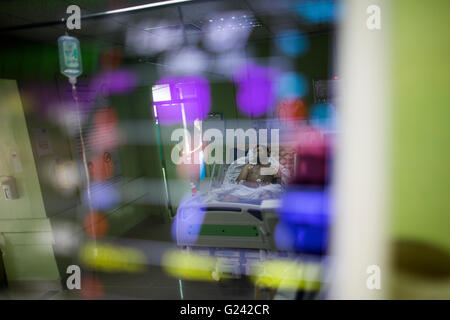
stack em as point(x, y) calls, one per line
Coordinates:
point(155, 283)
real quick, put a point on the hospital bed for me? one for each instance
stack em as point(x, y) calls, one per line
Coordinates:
point(224, 224)
point(228, 225)
point(239, 235)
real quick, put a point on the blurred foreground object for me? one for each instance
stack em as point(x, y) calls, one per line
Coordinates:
point(359, 236)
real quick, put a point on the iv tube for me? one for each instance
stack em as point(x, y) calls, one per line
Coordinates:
point(71, 66)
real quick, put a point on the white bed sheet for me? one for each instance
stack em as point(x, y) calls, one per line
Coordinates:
point(242, 192)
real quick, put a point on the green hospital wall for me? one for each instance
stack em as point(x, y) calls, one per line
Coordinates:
point(35, 67)
point(27, 224)
point(23, 222)
point(420, 202)
point(421, 48)
point(315, 64)
point(140, 159)
point(37, 62)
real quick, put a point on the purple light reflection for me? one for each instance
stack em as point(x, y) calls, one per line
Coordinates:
point(103, 196)
point(255, 89)
point(187, 222)
point(285, 236)
point(118, 82)
point(46, 102)
point(171, 94)
point(307, 206)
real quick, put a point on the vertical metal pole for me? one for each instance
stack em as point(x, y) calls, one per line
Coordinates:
point(163, 164)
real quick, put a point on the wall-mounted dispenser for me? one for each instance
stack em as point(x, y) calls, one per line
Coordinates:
point(9, 187)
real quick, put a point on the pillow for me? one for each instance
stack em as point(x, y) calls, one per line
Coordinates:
point(234, 170)
point(285, 172)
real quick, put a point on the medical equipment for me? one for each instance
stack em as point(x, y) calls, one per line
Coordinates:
point(71, 66)
point(70, 57)
point(216, 222)
point(9, 187)
point(227, 225)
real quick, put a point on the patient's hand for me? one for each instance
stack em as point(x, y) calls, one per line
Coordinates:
point(230, 198)
point(251, 177)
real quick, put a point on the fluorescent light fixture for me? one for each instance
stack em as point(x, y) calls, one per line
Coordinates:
point(161, 92)
point(146, 6)
point(162, 27)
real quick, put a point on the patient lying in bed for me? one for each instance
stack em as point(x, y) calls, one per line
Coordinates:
point(251, 173)
point(251, 177)
point(245, 186)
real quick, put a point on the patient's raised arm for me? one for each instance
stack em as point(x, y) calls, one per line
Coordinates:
point(243, 175)
point(277, 177)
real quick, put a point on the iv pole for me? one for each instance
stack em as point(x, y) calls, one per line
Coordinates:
point(71, 67)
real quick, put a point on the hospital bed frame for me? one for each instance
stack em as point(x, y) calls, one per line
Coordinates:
point(229, 224)
point(232, 225)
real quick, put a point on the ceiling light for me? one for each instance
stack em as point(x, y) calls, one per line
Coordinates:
point(145, 6)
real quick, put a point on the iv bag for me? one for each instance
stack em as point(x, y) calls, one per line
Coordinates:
point(70, 57)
